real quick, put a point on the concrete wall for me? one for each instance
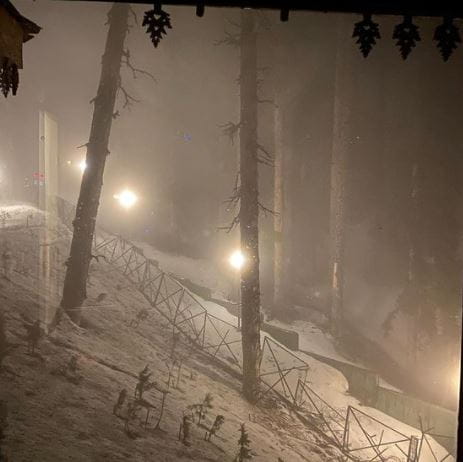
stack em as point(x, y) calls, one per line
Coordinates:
point(408, 409)
point(364, 385)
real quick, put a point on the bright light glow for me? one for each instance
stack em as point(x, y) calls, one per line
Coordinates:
point(237, 259)
point(82, 165)
point(126, 198)
point(456, 381)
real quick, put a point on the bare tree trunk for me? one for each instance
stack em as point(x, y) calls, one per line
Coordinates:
point(249, 207)
point(340, 147)
point(75, 283)
point(278, 209)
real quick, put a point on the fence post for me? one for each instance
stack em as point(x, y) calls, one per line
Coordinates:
point(413, 449)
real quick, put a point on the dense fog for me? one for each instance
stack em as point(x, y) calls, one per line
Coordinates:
point(397, 124)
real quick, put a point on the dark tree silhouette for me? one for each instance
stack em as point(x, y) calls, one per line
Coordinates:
point(75, 283)
point(249, 206)
point(245, 196)
point(340, 147)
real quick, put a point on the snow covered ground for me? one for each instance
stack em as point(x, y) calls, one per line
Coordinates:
point(108, 345)
point(201, 272)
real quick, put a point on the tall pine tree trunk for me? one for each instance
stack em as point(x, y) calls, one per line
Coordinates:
point(278, 209)
point(75, 283)
point(249, 207)
point(340, 148)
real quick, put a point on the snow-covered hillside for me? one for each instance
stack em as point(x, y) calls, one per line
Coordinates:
point(57, 413)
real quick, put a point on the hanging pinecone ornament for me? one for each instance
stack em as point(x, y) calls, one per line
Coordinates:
point(447, 37)
point(366, 32)
point(9, 77)
point(406, 34)
point(157, 22)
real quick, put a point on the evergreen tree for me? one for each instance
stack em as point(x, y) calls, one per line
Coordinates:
point(75, 283)
point(244, 451)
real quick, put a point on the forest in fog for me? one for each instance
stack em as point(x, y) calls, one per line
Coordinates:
point(366, 165)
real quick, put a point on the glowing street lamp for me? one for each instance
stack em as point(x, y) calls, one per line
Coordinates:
point(126, 198)
point(82, 165)
point(237, 259)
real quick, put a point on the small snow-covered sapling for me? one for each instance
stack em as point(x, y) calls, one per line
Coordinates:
point(218, 422)
point(201, 409)
point(244, 450)
point(132, 409)
point(34, 332)
point(8, 263)
point(120, 401)
point(143, 382)
point(142, 315)
point(184, 432)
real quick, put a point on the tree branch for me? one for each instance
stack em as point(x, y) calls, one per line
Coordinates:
point(134, 15)
point(265, 161)
point(128, 99)
point(232, 225)
point(233, 23)
point(231, 129)
point(264, 152)
point(266, 210)
point(135, 70)
point(230, 39)
point(233, 200)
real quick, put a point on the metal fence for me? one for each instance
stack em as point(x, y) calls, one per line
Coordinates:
point(281, 370)
point(358, 435)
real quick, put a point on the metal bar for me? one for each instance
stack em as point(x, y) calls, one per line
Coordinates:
point(136, 269)
point(430, 448)
point(378, 421)
point(323, 401)
point(279, 371)
point(218, 333)
point(226, 343)
point(204, 328)
point(158, 290)
point(381, 444)
point(220, 344)
point(282, 370)
point(369, 438)
point(221, 320)
point(197, 334)
point(320, 414)
point(401, 450)
point(379, 455)
point(395, 7)
point(166, 299)
point(345, 437)
point(287, 351)
point(271, 387)
point(127, 263)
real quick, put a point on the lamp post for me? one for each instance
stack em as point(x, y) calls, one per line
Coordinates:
point(237, 261)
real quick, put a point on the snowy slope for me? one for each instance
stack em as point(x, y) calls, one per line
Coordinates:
point(62, 418)
point(201, 272)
